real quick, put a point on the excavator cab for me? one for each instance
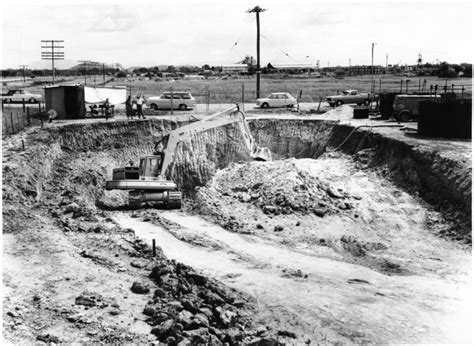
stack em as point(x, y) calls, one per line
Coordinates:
point(150, 167)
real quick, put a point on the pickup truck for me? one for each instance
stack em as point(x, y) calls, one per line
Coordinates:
point(351, 96)
point(18, 95)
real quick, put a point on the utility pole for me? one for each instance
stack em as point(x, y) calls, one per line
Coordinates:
point(257, 10)
point(51, 51)
point(84, 62)
point(103, 73)
point(24, 77)
point(386, 61)
point(372, 70)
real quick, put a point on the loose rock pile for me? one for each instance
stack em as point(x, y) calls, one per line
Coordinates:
point(276, 188)
point(188, 307)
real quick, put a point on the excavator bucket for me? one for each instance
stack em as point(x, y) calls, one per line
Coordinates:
point(262, 154)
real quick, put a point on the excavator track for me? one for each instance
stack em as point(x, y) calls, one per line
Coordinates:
point(174, 200)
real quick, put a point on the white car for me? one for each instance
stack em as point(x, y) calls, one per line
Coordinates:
point(277, 100)
point(176, 100)
point(20, 95)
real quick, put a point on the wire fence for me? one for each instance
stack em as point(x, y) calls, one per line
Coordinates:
point(16, 119)
point(314, 94)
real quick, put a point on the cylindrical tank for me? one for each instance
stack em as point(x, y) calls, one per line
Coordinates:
point(386, 104)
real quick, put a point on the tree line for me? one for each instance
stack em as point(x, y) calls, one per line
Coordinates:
point(443, 70)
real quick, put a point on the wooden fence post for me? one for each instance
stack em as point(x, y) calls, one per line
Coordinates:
point(171, 91)
point(208, 99)
point(13, 125)
point(28, 115)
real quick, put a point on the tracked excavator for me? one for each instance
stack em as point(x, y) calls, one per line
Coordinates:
point(151, 181)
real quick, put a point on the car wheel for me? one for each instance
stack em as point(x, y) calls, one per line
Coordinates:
point(404, 116)
point(265, 105)
point(8, 100)
point(154, 106)
point(182, 107)
point(339, 103)
point(32, 100)
point(367, 102)
point(290, 105)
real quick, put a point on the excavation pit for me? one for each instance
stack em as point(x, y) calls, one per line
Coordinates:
point(346, 245)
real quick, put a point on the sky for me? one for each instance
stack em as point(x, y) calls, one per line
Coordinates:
point(150, 33)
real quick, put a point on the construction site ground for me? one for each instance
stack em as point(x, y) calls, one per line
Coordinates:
point(330, 249)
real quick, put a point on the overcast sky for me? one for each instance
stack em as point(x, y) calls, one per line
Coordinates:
point(144, 33)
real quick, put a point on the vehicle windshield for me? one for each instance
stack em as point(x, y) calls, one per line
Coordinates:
point(345, 92)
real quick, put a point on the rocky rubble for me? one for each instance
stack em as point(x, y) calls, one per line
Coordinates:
point(188, 307)
point(275, 188)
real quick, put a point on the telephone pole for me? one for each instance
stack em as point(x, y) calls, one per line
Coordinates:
point(24, 77)
point(52, 51)
point(257, 10)
point(84, 62)
point(372, 70)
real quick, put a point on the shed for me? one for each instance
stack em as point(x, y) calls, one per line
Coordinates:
point(69, 101)
point(66, 100)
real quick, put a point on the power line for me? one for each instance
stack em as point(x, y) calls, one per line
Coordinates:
point(51, 50)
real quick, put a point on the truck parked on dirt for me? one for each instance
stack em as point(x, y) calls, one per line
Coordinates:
point(351, 96)
point(405, 107)
point(19, 95)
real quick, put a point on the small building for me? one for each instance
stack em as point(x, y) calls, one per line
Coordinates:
point(69, 101)
point(235, 68)
point(66, 100)
point(298, 68)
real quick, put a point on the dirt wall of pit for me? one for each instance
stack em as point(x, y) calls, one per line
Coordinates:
point(196, 160)
point(437, 178)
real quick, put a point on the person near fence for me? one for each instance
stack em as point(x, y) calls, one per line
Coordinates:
point(140, 101)
point(128, 107)
point(107, 109)
point(134, 109)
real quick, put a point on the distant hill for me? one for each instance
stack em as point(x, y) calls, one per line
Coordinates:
point(98, 65)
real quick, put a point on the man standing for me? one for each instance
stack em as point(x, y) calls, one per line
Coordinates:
point(106, 109)
point(139, 106)
point(128, 107)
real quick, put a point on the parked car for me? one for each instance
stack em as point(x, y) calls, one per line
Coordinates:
point(405, 107)
point(277, 100)
point(351, 96)
point(20, 95)
point(176, 100)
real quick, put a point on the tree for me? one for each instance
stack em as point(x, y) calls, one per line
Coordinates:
point(121, 74)
point(206, 67)
point(171, 68)
point(446, 71)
